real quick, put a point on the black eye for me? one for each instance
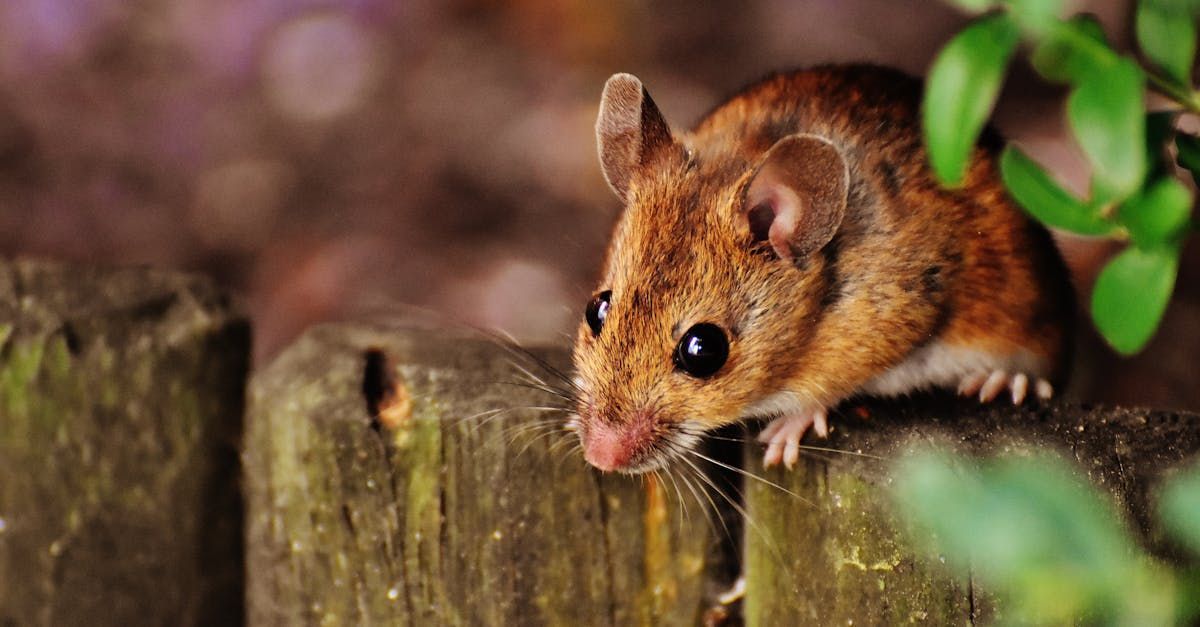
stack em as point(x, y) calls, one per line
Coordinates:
point(702, 350)
point(597, 311)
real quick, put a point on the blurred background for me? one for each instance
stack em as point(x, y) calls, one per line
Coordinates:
point(322, 158)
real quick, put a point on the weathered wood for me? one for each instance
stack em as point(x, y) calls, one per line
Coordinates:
point(121, 398)
point(446, 517)
point(433, 513)
point(831, 554)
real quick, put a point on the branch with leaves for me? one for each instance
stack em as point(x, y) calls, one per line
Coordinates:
point(1135, 195)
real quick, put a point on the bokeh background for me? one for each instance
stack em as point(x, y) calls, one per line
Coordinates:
point(325, 158)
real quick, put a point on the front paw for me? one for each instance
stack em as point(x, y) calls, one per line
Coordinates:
point(782, 435)
point(989, 385)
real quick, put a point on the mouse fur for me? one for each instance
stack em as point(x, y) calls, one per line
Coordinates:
point(873, 278)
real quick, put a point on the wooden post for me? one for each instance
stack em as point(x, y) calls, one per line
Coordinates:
point(408, 476)
point(121, 397)
point(830, 551)
point(382, 489)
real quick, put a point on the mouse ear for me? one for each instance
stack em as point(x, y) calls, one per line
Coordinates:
point(797, 198)
point(629, 130)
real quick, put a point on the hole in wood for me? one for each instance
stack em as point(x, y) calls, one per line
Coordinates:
point(71, 338)
point(388, 401)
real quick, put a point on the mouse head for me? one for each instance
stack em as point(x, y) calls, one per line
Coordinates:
point(713, 281)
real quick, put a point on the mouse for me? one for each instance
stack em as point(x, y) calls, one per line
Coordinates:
point(794, 250)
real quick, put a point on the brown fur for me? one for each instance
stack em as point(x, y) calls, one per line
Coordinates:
point(911, 262)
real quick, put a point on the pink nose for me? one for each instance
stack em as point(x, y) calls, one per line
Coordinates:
point(605, 447)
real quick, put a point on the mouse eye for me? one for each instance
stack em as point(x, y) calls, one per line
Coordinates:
point(597, 311)
point(702, 350)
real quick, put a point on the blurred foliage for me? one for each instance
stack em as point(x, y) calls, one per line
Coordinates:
point(1050, 547)
point(1134, 195)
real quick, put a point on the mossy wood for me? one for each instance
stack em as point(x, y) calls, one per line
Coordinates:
point(383, 490)
point(121, 401)
point(392, 496)
point(830, 552)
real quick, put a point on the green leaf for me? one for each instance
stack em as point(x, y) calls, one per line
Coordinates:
point(1166, 33)
point(1158, 214)
point(975, 6)
point(1188, 147)
point(961, 90)
point(1026, 526)
point(1072, 50)
point(1184, 6)
point(1035, 15)
point(1106, 115)
point(1179, 508)
point(1131, 295)
point(1034, 190)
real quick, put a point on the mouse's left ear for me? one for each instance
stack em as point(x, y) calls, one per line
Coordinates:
point(630, 131)
point(797, 197)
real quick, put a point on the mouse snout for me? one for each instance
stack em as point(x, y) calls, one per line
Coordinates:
point(604, 448)
point(612, 447)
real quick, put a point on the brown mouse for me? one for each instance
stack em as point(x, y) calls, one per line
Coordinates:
point(793, 250)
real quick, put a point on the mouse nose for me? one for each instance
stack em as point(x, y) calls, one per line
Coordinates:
point(607, 447)
point(618, 445)
point(604, 448)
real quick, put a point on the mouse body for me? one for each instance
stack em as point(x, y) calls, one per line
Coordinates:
point(792, 250)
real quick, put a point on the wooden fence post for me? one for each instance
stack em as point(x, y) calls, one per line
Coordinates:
point(381, 490)
point(121, 398)
point(831, 553)
point(383, 486)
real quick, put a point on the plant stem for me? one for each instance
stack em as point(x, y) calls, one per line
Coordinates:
point(1179, 94)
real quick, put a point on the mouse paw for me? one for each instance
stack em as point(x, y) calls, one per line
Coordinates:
point(989, 385)
point(782, 435)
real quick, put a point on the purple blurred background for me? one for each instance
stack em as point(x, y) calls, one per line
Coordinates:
point(326, 158)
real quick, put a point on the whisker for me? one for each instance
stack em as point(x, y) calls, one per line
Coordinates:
point(809, 447)
point(510, 345)
point(540, 436)
point(711, 436)
point(530, 424)
point(536, 379)
point(825, 449)
point(738, 507)
point(715, 511)
point(486, 412)
point(510, 433)
point(658, 478)
point(683, 512)
point(750, 475)
point(493, 414)
point(556, 448)
point(576, 449)
point(533, 386)
point(696, 492)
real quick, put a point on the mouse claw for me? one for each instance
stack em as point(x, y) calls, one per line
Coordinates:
point(997, 381)
point(821, 424)
point(970, 384)
point(782, 436)
point(987, 386)
point(1019, 386)
point(1043, 389)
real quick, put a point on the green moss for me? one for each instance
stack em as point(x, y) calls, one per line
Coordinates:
point(839, 558)
point(40, 393)
point(24, 360)
point(96, 466)
point(422, 507)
